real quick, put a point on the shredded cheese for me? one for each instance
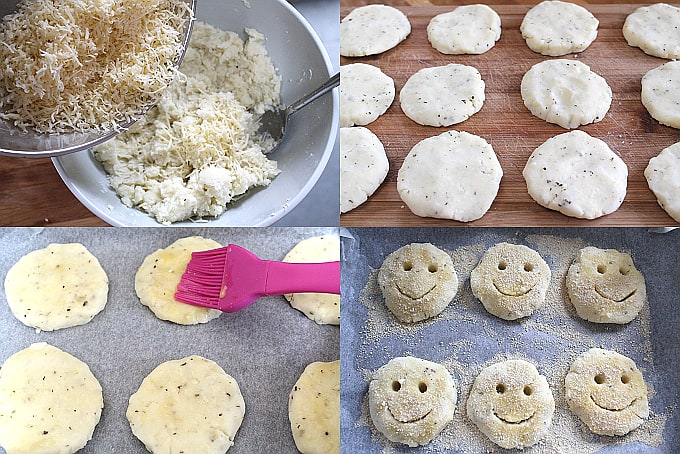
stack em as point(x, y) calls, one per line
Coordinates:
point(81, 65)
point(197, 149)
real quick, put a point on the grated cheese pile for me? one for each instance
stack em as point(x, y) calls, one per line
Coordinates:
point(81, 65)
point(197, 149)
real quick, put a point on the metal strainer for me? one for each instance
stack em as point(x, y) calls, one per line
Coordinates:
point(15, 142)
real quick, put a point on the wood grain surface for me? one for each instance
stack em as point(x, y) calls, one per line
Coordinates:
point(507, 124)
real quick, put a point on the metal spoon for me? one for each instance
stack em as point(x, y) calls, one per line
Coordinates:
point(273, 122)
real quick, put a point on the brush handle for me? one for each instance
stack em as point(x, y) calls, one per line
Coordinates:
point(284, 277)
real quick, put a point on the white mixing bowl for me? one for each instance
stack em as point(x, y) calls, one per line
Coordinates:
point(303, 64)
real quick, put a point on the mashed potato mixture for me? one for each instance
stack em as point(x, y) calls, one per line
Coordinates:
point(197, 149)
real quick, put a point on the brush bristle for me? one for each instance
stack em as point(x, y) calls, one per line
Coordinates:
point(201, 282)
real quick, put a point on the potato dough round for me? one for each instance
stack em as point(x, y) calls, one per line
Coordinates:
point(365, 94)
point(470, 29)
point(605, 287)
point(511, 403)
point(372, 29)
point(411, 400)
point(455, 175)
point(558, 28)
point(157, 278)
point(49, 401)
point(607, 392)
point(654, 29)
point(577, 175)
point(417, 281)
point(565, 92)
point(511, 280)
point(60, 286)
point(663, 178)
point(314, 409)
point(187, 405)
point(323, 308)
point(661, 93)
point(363, 166)
point(442, 95)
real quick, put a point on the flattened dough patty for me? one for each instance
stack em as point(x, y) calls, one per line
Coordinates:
point(157, 278)
point(443, 95)
point(661, 93)
point(417, 281)
point(314, 409)
point(372, 29)
point(363, 166)
point(558, 28)
point(455, 175)
point(365, 94)
point(411, 400)
point(187, 405)
point(663, 178)
point(511, 403)
point(511, 280)
point(56, 287)
point(605, 287)
point(566, 93)
point(577, 175)
point(607, 392)
point(654, 29)
point(470, 29)
point(49, 401)
point(323, 308)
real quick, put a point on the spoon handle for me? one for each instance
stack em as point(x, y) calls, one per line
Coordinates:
point(321, 90)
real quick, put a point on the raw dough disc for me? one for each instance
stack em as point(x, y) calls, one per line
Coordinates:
point(442, 95)
point(157, 278)
point(363, 166)
point(56, 287)
point(411, 400)
point(372, 29)
point(365, 94)
point(455, 175)
point(417, 281)
point(605, 287)
point(565, 92)
point(511, 280)
point(663, 178)
point(654, 29)
point(470, 29)
point(577, 175)
point(661, 93)
point(49, 401)
point(314, 409)
point(323, 308)
point(511, 403)
point(558, 28)
point(607, 392)
point(187, 405)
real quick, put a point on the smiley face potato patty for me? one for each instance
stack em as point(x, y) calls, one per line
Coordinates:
point(607, 392)
point(417, 281)
point(510, 280)
point(411, 400)
point(605, 287)
point(511, 403)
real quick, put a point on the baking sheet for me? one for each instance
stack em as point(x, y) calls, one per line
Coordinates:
point(265, 347)
point(465, 338)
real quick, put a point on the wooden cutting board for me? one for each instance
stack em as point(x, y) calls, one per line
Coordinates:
point(513, 132)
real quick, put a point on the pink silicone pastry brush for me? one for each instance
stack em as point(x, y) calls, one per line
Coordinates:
point(231, 278)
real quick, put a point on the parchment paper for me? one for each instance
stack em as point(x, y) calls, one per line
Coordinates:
point(466, 338)
point(265, 347)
